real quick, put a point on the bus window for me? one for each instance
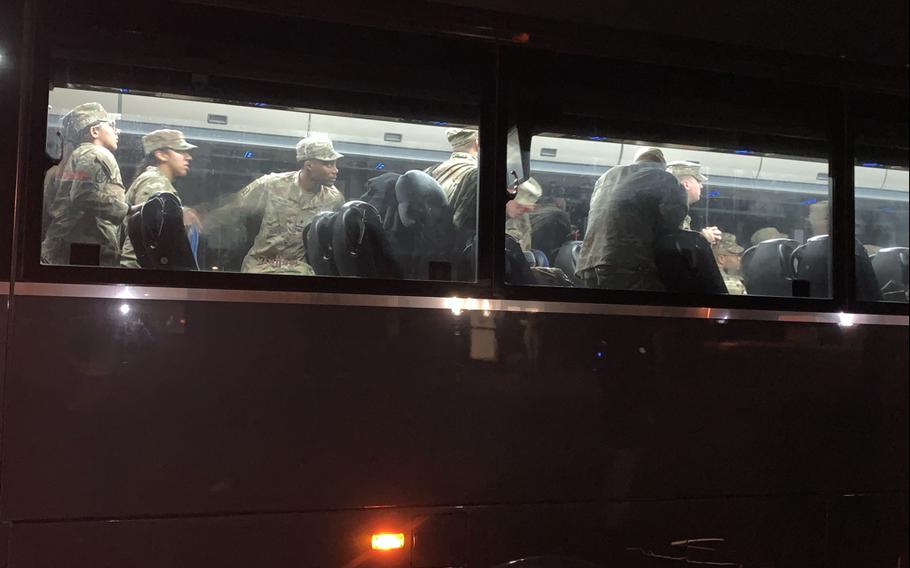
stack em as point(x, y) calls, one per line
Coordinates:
point(629, 215)
point(148, 180)
point(881, 194)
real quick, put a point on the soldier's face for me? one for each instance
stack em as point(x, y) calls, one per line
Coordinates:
point(323, 172)
point(178, 161)
point(731, 263)
point(693, 189)
point(106, 135)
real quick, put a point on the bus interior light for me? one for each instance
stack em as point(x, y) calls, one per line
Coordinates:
point(387, 541)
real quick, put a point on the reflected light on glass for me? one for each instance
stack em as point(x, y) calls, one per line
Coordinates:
point(456, 305)
point(124, 309)
point(845, 320)
point(387, 541)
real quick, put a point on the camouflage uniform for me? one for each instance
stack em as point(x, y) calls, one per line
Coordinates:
point(520, 227)
point(681, 169)
point(287, 209)
point(594, 248)
point(450, 172)
point(89, 206)
point(151, 181)
point(619, 251)
point(727, 245)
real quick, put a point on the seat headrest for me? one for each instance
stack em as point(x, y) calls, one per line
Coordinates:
point(418, 195)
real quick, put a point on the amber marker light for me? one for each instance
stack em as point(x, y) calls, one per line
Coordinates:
point(387, 541)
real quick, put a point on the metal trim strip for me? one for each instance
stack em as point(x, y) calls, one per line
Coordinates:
point(456, 305)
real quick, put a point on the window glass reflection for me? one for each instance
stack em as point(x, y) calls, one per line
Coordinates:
point(629, 215)
point(881, 232)
point(152, 181)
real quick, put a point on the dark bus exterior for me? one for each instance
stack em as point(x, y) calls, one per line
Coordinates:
point(218, 418)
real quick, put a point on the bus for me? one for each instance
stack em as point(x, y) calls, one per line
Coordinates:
point(215, 415)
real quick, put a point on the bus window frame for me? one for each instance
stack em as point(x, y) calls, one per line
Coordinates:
point(833, 142)
point(48, 67)
point(499, 78)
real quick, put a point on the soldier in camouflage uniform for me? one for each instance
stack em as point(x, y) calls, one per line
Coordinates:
point(288, 202)
point(466, 147)
point(518, 219)
point(692, 180)
point(90, 203)
point(766, 234)
point(728, 253)
point(167, 157)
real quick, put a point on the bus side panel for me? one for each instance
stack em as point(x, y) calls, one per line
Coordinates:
point(164, 408)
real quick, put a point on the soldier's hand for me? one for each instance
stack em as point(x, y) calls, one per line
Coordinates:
point(191, 218)
point(711, 234)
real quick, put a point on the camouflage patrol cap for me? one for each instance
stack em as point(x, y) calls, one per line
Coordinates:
point(85, 115)
point(165, 139)
point(317, 148)
point(528, 192)
point(727, 245)
point(767, 233)
point(683, 168)
point(460, 136)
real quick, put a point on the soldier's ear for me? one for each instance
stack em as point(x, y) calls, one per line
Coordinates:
point(95, 130)
point(160, 155)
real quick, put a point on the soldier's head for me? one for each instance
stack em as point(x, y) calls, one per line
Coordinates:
point(463, 140)
point(766, 234)
point(728, 253)
point(690, 177)
point(650, 155)
point(316, 158)
point(92, 124)
point(169, 151)
point(525, 199)
point(818, 218)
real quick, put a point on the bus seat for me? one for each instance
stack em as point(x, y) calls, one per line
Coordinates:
point(318, 238)
point(159, 236)
point(359, 245)
point(685, 263)
point(890, 266)
point(566, 259)
point(537, 258)
point(766, 267)
point(423, 236)
point(810, 262)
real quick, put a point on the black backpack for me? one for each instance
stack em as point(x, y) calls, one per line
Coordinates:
point(685, 263)
point(159, 236)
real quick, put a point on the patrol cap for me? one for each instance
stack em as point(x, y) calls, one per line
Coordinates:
point(460, 136)
point(765, 234)
point(684, 168)
point(85, 115)
point(727, 244)
point(528, 192)
point(161, 139)
point(317, 148)
point(650, 154)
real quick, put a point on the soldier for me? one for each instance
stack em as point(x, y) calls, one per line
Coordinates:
point(818, 218)
point(690, 177)
point(288, 202)
point(90, 204)
point(465, 148)
point(766, 234)
point(166, 158)
point(518, 220)
point(644, 203)
point(728, 253)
